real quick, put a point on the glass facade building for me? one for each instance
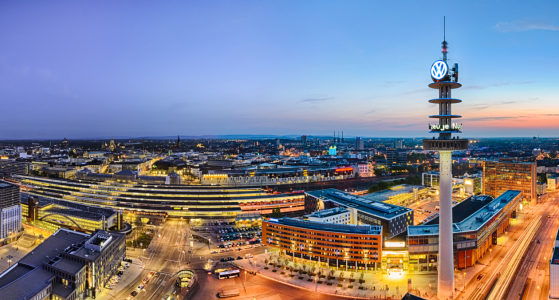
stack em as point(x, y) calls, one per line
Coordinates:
point(500, 176)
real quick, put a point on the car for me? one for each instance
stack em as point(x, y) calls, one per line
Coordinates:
point(134, 294)
point(151, 273)
point(480, 277)
point(223, 259)
point(141, 286)
point(239, 257)
point(248, 256)
point(230, 258)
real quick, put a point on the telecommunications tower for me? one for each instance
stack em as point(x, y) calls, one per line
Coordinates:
point(444, 80)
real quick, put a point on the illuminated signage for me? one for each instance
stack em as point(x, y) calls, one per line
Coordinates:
point(439, 70)
point(468, 181)
point(394, 244)
point(273, 220)
point(344, 169)
point(439, 127)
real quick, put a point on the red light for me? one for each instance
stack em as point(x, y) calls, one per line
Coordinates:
point(344, 169)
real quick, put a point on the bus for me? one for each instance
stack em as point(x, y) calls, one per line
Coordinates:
point(228, 274)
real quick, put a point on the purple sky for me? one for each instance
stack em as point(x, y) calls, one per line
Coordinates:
point(82, 69)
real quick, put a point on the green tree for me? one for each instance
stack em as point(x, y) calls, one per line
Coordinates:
point(276, 213)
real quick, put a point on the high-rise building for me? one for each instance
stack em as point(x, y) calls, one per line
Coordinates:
point(10, 210)
point(304, 139)
point(500, 176)
point(445, 80)
point(359, 144)
point(179, 142)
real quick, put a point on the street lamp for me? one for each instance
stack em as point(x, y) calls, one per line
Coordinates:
point(464, 288)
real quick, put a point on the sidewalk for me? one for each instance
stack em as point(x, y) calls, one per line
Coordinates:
point(129, 276)
point(397, 285)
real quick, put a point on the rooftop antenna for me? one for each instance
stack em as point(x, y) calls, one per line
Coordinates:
point(445, 44)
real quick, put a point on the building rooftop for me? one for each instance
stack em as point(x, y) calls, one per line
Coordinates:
point(373, 207)
point(68, 265)
point(328, 212)
point(394, 191)
point(464, 209)
point(25, 285)
point(473, 221)
point(349, 228)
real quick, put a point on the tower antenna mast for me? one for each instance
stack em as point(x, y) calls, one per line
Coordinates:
point(445, 44)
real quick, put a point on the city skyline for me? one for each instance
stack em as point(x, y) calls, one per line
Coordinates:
point(263, 68)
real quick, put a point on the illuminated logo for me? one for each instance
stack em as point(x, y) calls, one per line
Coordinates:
point(439, 69)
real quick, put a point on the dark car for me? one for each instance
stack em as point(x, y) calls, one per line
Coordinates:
point(230, 258)
point(480, 277)
point(223, 259)
point(239, 258)
point(134, 294)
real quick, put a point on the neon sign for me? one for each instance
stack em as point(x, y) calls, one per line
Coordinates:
point(439, 69)
point(441, 127)
point(344, 169)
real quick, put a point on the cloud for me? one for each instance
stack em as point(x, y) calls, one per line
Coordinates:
point(478, 87)
point(47, 74)
point(479, 107)
point(316, 99)
point(492, 118)
point(524, 25)
point(370, 112)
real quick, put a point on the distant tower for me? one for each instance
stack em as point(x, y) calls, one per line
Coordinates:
point(445, 80)
point(342, 136)
point(65, 143)
point(112, 145)
point(179, 142)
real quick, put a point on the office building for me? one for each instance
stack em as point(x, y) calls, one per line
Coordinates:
point(10, 211)
point(359, 143)
point(13, 167)
point(396, 157)
point(340, 246)
point(66, 266)
point(304, 139)
point(393, 219)
point(500, 176)
point(479, 222)
point(445, 80)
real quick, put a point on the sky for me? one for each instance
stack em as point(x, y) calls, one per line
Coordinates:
point(95, 69)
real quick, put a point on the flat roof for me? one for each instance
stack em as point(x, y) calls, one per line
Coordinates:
point(345, 228)
point(466, 208)
point(328, 212)
point(394, 191)
point(26, 285)
point(474, 221)
point(68, 265)
point(373, 207)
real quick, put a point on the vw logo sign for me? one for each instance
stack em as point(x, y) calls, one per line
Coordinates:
point(439, 69)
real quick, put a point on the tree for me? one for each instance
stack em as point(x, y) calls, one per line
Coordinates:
point(351, 275)
point(362, 278)
point(341, 277)
point(276, 213)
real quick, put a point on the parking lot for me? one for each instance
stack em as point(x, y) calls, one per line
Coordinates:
point(227, 237)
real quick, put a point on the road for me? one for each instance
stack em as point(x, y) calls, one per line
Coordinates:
point(536, 263)
point(165, 256)
point(502, 274)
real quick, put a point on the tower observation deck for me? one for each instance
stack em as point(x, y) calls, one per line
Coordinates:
point(445, 80)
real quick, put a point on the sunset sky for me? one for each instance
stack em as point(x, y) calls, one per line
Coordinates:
point(84, 69)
